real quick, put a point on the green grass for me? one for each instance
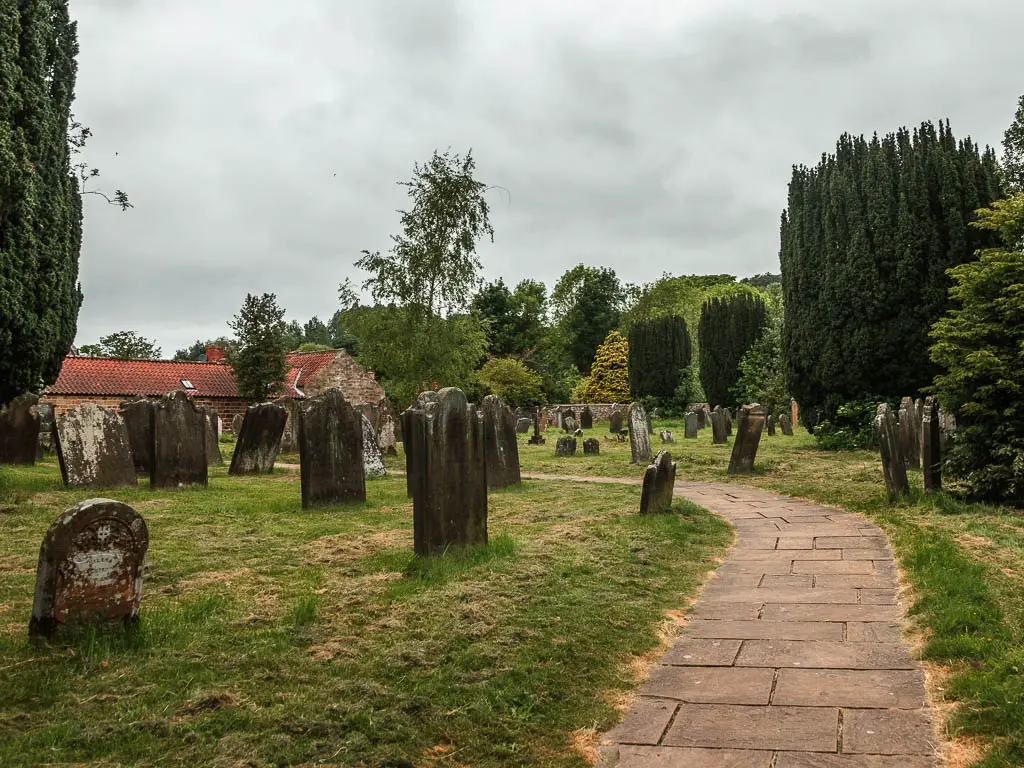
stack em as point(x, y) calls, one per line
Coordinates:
point(273, 635)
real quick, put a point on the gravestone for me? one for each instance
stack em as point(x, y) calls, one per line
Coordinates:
point(565, 446)
point(587, 418)
point(258, 440)
point(536, 438)
point(568, 413)
point(569, 423)
point(330, 436)
point(47, 414)
point(909, 434)
point(931, 446)
point(179, 442)
point(615, 422)
point(213, 457)
point(373, 458)
point(236, 424)
point(947, 427)
point(749, 426)
point(666, 436)
point(728, 421)
point(444, 454)
point(290, 433)
point(639, 435)
point(93, 449)
point(894, 466)
point(659, 482)
point(786, 425)
point(523, 426)
point(501, 448)
point(718, 436)
point(771, 425)
point(19, 430)
point(698, 408)
point(90, 567)
point(690, 425)
point(591, 446)
point(138, 420)
point(383, 425)
point(707, 415)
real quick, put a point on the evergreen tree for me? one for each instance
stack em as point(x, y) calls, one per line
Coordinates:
point(257, 357)
point(315, 331)
point(1013, 150)
point(659, 353)
point(608, 381)
point(866, 240)
point(729, 325)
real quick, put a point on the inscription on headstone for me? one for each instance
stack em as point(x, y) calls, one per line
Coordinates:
point(93, 449)
point(179, 442)
point(19, 430)
point(659, 481)
point(749, 426)
point(330, 436)
point(259, 440)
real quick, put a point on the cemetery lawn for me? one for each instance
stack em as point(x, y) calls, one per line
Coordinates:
point(271, 635)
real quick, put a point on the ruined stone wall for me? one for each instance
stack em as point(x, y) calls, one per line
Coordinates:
point(358, 385)
point(601, 411)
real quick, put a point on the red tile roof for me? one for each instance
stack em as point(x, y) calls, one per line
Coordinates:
point(152, 378)
point(303, 367)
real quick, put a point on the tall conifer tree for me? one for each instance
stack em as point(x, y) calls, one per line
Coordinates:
point(729, 325)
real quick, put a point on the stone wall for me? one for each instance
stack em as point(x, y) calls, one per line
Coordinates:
point(601, 411)
point(359, 386)
point(226, 407)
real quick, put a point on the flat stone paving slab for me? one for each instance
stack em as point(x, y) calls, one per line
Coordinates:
point(792, 658)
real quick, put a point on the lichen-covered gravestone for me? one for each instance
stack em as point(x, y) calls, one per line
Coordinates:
point(785, 425)
point(47, 415)
point(591, 446)
point(444, 459)
point(587, 418)
point(666, 436)
point(536, 438)
point(639, 435)
point(501, 449)
point(728, 421)
point(931, 446)
point(894, 466)
point(179, 442)
point(615, 422)
point(138, 420)
point(565, 446)
point(659, 481)
point(373, 460)
point(690, 428)
point(569, 423)
point(290, 433)
point(93, 449)
point(771, 425)
point(718, 436)
point(259, 440)
point(330, 437)
point(749, 426)
point(19, 430)
point(213, 457)
point(90, 567)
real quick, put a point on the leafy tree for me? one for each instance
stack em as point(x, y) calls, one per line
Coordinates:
point(762, 280)
point(762, 368)
point(293, 336)
point(659, 353)
point(315, 331)
point(608, 381)
point(514, 319)
point(728, 327)
point(587, 303)
point(257, 356)
point(198, 348)
point(867, 238)
point(1013, 150)
point(979, 345)
point(512, 381)
point(123, 345)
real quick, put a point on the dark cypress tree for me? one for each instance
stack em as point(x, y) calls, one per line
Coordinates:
point(866, 240)
point(659, 352)
point(728, 326)
point(40, 205)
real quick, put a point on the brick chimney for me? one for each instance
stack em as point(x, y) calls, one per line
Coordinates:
point(215, 353)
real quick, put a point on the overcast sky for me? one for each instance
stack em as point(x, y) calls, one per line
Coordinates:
point(260, 140)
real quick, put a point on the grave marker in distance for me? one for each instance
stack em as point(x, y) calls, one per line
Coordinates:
point(19, 430)
point(93, 449)
point(659, 482)
point(749, 426)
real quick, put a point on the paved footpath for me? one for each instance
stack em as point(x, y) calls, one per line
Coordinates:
point(792, 658)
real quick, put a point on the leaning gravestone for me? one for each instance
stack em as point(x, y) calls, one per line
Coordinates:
point(569, 423)
point(90, 567)
point(236, 425)
point(523, 426)
point(19, 430)
point(501, 449)
point(690, 425)
point(330, 437)
point(587, 418)
point(666, 436)
point(786, 425)
point(894, 466)
point(565, 446)
point(615, 422)
point(179, 442)
point(659, 481)
point(138, 419)
point(373, 459)
point(93, 449)
point(258, 440)
point(213, 457)
point(931, 446)
point(749, 426)
point(639, 436)
point(771, 425)
point(718, 436)
point(909, 434)
point(591, 447)
point(444, 454)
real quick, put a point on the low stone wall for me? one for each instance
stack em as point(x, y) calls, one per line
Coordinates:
point(601, 411)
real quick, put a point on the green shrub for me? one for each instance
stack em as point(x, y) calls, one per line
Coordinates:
point(512, 381)
point(608, 381)
point(851, 428)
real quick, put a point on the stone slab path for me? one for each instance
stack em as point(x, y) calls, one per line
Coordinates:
point(792, 657)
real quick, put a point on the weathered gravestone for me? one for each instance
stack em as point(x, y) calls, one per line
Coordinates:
point(330, 437)
point(659, 481)
point(179, 442)
point(894, 466)
point(213, 457)
point(639, 435)
point(771, 425)
point(290, 433)
point(707, 415)
point(501, 449)
point(523, 426)
point(909, 434)
point(615, 422)
point(258, 440)
point(568, 413)
point(718, 436)
point(47, 415)
point(728, 421)
point(138, 420)
point(422, 401)
point(666, 436)
point(569, 423)
point(690, 425)
point(587, 418)
point(236, 424)
point(536, 438)
point(931, 446)
point(19, 430)
point(786, 425)
point(373, 458)
point(92, 448)
point(444, 455)
point(565, 446)
point(90, 567)
point(749, 426)
point(698, 408)
point(591, 446)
